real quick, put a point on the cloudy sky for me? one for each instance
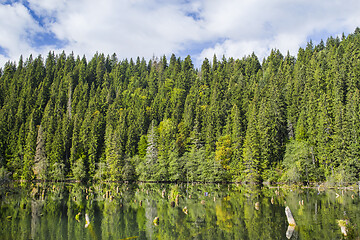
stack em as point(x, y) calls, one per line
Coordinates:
point(147, 28)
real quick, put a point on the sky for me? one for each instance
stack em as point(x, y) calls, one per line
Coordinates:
point(148, 28)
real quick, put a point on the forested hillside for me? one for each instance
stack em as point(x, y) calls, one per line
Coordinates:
point(283, 119)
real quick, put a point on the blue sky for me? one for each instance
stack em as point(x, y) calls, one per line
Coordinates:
point(147, 28)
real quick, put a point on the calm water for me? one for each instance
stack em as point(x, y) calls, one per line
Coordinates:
point(212, 211)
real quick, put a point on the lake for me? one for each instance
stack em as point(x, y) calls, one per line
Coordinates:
point(174, 211)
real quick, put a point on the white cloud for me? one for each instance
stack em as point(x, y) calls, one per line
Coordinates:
point(129, 28)
point(16, 27)
point(132, 28)
point(261, 25)
point(47, 7)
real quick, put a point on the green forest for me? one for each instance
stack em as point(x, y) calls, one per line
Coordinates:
point(280, 119)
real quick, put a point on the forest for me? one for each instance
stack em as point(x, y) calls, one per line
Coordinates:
point(283, 119)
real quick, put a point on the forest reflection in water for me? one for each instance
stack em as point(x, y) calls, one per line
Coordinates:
point(173, 211)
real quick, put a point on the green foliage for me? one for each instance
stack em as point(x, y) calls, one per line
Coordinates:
point(252, 149)
point(78, 169)
point(298, 164)
point(142, 146)
point(223, 151)
point(105, 119)
point(4, 175)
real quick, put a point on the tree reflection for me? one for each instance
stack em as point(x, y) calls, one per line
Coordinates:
point(118, 211)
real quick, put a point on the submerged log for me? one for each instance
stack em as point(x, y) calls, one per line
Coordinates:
point(290, 231)
point(87, 220)
point(290, 217)
point(177, 199)
point(257, 205)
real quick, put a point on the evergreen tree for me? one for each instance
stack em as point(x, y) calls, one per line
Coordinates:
point(67, 117)
point(252, 154)
point(152, 151)
point(29, 155)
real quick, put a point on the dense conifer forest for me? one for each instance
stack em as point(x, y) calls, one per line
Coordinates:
point(285, 118)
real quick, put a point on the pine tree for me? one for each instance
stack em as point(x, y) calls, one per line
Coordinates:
point(142, 145)
point(112, 155)
point(351, 136)
point(236, 129)
point(324, 136)
point(29, 154)
point(152, 151)
point(252, 149)
point(166, 144)
point(223, 153)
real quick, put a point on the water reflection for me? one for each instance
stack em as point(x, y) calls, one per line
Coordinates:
point(173, 211)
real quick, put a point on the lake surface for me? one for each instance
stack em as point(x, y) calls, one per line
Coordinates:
point(184, 211)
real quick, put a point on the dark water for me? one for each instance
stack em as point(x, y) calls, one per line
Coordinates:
point(120, 211)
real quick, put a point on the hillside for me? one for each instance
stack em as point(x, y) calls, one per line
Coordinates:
point(293, 119)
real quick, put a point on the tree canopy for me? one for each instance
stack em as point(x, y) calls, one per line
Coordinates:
point(286, 119)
